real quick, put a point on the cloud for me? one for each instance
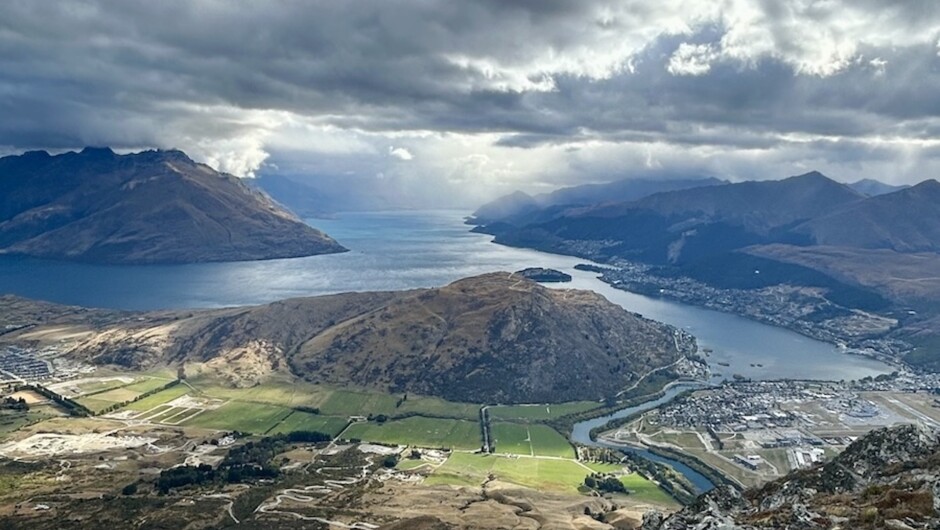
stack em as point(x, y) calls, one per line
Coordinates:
point(492, 95)
point(400, 153)
point(691, 59)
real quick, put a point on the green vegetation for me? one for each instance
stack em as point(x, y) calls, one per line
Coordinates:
point(539, 413)
point(159, 398)
point(407, 464)
point(13, 420)
point(71, 406)
point(643, 489)
point(304, 421)
point(251, 460)
point(113, 394)
point(338, 402)
point(604, 483)
point(419, 431)
point(474, 469)
point(538, 440)
point(465, 469)
point(240, 416)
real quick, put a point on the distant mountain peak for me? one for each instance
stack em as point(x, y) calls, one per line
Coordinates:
point(812, 175)
point(97, 151)
point(929, 184)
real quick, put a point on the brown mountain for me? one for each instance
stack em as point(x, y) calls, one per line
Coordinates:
point(490, 338)
point(906, 221)
point(150, 207)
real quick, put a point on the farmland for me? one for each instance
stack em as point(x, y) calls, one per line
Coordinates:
point(419, 431)
point(304, 421)
point(533, 440)
point(539, 413)
point(562, 475)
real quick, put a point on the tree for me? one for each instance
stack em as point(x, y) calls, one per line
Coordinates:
point(130, 489)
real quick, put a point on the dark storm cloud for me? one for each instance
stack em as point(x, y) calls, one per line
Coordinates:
point(835, 82)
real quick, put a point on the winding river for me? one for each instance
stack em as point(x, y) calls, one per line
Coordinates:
point(581, 434)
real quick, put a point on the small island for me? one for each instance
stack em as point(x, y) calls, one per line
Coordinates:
point(592, 268)
point(543, 275)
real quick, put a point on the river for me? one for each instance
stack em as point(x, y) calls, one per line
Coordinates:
point(581, 433)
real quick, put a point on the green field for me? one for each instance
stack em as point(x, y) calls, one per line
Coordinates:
point(419, 431)
point(159, 398)
point(406, 464)
point(645, 490)
point(112, 392)
point(255, 418)
point(532, 413)
point(304, 421)
point(533, 439)
point(337, 402)
point(466, 469)
point(94, 387)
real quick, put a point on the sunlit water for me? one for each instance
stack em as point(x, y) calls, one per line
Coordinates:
point(403, 250)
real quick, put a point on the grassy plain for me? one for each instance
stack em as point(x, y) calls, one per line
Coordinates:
point(419, 431)
point(337, 402)
point(113, 391)
point(466, 469)
point(535, 413)
point(255, 418)
point(304, 421)
point(535, 440)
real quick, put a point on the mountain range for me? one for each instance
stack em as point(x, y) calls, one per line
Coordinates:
point(149, 207)
point(685, 225)
point(520, 207)
point(491, 338)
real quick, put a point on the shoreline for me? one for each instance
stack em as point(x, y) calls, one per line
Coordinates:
point(842, 343)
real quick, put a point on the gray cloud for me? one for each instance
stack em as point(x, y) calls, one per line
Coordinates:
point(482, 96)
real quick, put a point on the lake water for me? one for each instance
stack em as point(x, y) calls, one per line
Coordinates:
point(403, 250)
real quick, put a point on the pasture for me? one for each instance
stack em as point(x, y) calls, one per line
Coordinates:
point(419, 431)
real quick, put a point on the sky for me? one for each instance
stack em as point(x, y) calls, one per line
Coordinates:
point(447, 103)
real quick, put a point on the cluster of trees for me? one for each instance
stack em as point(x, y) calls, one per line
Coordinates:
point(73, 407)
point(12, 403)
point(305, 408)
point(252, 460)
point(177, 477)
point(605, 483)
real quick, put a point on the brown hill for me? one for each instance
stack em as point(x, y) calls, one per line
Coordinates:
point(151, 207)
point(491, 338)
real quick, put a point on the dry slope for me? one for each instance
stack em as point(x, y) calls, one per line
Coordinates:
point(491, 338)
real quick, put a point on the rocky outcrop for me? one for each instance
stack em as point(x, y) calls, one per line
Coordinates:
point(889, 478)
